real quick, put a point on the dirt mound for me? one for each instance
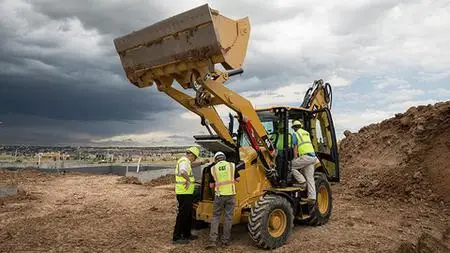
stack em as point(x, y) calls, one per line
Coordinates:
point(162, 180)
point(128, 180)
point(21, 195)
point(25, 175)
point(404, 157)
point(426, 244)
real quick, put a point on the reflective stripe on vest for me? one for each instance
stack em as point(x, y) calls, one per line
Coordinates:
point(304, 142)
point(181, 181)
point(223, 173)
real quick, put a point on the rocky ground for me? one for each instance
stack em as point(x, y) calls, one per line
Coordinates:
point(393, 198)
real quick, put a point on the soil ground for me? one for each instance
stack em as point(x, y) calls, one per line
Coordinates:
point(85, 213)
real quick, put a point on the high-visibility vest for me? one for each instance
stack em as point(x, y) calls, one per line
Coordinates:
point(280, 142)
point(304, 142)
point(180, 181)
point(223, 173)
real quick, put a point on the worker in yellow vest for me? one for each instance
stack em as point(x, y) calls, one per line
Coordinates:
point(223, 178)
point(304, 160)
point(278, 137)
point(184, 189)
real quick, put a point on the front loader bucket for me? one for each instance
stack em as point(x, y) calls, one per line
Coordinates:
point(173, 48)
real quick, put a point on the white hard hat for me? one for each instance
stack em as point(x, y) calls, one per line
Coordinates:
point(219, 154)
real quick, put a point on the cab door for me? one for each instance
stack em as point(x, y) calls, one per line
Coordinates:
point(324, 142)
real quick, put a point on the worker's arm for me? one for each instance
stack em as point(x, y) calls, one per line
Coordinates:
point(199, 162)
point(212, 181)
point(184, 173)
point(295, 145)
point(188, 180)
point(295, 151)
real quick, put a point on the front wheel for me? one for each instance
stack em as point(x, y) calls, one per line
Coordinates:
point(271, 221)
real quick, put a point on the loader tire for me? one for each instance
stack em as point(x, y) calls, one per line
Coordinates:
point(324, 201)
point(271, 221)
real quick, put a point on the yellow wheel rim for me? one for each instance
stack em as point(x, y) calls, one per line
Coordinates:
point(322, 199)
point(277, 223)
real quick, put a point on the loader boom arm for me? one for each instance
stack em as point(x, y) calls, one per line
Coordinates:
point(186, 48)
point(212, 93)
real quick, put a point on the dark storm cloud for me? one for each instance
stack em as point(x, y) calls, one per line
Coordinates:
point(26, 129)
point(62, 84)
point(108, 17)
point(37, 136)
point(121, 17)
point(74, 101)
point(44, 75)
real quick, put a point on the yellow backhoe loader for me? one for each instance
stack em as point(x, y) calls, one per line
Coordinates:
point(200, 50)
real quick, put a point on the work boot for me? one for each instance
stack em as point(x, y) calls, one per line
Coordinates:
point(180, 241)
point(192, 237)
point(226, 243)
point(211, 245)
point(311, 207)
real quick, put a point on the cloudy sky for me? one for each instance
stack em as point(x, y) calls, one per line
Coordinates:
point(61, 82)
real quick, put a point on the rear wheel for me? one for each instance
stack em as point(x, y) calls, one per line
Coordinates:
point(324, 202)
point(271, 221)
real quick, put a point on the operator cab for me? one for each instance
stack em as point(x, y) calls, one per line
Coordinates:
point(278, 123)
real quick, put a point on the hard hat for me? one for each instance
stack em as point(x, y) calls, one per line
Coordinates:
point(219, 155)
point(194, 150)
point(297, 123)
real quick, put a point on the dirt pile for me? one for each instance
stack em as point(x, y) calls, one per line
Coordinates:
point(162, 180)
point(128, 180)
point(21, 195)
point(426, 244)
point(405, 157)
point(25, 176)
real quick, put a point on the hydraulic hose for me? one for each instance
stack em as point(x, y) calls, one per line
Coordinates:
point(328, 95)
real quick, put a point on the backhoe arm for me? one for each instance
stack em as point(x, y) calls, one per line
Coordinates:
point(318, 97)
